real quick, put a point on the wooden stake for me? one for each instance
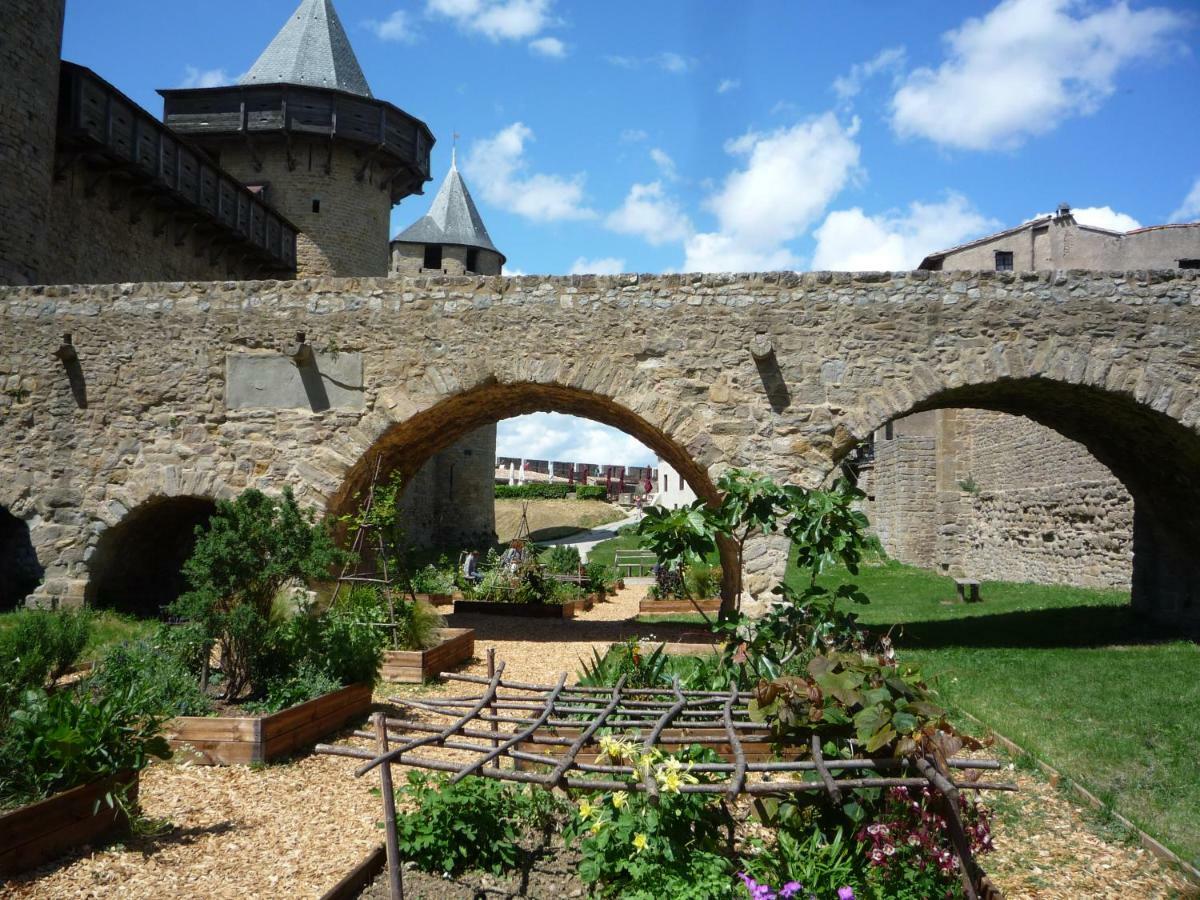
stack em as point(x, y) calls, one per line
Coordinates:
point(395, 879)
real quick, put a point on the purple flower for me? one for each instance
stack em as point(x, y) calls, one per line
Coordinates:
point(845, 893)
point(790, 888)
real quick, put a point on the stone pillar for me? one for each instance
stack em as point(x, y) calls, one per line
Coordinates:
point(30, 49)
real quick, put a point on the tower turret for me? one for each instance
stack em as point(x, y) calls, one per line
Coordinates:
point(303, 125)
point(450, 238)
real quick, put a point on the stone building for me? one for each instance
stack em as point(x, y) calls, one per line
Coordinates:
point(993, 496)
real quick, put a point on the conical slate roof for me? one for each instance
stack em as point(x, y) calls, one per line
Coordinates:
point(311, 49)
point(452, 219)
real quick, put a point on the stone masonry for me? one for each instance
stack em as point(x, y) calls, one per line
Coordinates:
point(1107, 359)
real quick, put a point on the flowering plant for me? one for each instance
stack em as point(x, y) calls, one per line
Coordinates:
point(759, 891)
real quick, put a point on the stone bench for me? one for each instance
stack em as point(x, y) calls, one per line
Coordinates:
point(968, 590)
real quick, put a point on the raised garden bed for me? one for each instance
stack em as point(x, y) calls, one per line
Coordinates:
point(37, 833)
point(414, 666)
point(436, 599)
point(648, 607)
point(522, 610)
point(231, 741)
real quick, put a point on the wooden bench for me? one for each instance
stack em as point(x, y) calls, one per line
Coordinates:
point(625, 561)
point(968, 590)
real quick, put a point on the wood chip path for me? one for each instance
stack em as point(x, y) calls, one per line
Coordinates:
point(293, 829)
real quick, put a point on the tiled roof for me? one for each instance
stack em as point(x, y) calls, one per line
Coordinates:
point(311, 49)
point(452, 219)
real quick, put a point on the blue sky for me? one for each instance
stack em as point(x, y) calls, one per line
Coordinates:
point(683, 135)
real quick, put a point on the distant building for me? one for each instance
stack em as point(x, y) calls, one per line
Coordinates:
point(672, 491)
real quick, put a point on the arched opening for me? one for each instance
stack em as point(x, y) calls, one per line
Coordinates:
point(1152, 456)
point(456, 423)
point(137, 567)
point(20, 571)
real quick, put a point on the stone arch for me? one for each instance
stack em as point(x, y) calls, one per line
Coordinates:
point(20, 570)
point(137, 564)
point(405, 442)
point(1143, 431)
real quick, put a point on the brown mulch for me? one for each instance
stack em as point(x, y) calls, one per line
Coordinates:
point(294, 829)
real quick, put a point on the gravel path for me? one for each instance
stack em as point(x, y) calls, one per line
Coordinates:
point(293, 829)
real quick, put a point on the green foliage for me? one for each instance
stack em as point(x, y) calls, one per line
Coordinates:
point(562, 560)
point(342, 642)
point(306, 682)
point(247, 553)
point(653, 669)
point(633, 847)
point(821, 862)
point(156, 675)
point(678, 536)
point(433, 579)
point(450, 828)
point(590, 492)
point(37, 648)
point(529, 583)
point(538, 491)
point(56, 741)
point(702, 582)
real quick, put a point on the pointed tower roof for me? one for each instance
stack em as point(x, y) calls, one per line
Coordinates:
point(452, 219)
point(311, 49)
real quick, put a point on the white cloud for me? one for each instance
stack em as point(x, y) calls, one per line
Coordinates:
point(665, 164)
point(397, 28)
point(555, 436)
point(1100, 217)
point(633, 136)
point(667, 60)
point(725, 85)
point(549, 46)
point(1189, 210)
point(789, 178)
point(498, 165)
point(1024, 67)
point(605, 265)
point(497, 20)
point(851, 241)
point(851, 84)
point(650, 214)
point(204, 78)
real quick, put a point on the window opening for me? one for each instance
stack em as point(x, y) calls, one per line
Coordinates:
point(1004, 261)
point(316, 205)
point(433, 256)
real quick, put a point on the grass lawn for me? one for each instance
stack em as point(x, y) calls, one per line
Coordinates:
point(552, 519)
point(110, 628)
point(1071, 675)
point(606, 551)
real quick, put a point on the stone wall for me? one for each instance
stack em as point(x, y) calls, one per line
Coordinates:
point(30, 43)
point(450, 504)
point(1107, 358)
point(343, 219)
point(111, 236)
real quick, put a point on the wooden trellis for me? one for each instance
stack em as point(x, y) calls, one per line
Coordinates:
point(557, 728)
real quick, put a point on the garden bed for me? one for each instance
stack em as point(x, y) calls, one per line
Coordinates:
point(522, 610)
point(649, 607)
point(242, 740)
point(414, 666)
point(39, 832)
point(436, 599)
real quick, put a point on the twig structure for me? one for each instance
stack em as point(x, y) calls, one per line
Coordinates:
point(551, 736)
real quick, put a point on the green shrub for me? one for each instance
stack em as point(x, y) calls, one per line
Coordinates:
point(433, 580)
point(822, 863)
point(307, 682)
point(56, 741)
point(473, 824)
point(591, 492)
point(565, 592)
point(39, 647)
point(702, 582)
point(249, 550)
point(562, 560)
point(156, 675)
point(538, 491)
point(341, 642)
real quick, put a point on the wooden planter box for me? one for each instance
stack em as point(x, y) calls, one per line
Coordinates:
point(648, 607)
point(522, 610)
point(212, 741)
point(414, 666)
point(42, 831)
point(436, 599)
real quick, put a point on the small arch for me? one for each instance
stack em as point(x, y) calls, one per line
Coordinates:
point(137, 567)
point(20, 570)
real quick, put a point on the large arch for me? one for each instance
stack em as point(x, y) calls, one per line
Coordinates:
point(137, 566)
point(405, 445)
point(20, 571)
point(1154, 455)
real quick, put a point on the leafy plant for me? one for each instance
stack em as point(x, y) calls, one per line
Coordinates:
point(56, 741)
point(562, 560)
point(38, 648)
point(822, 863)
point(306, 682)
point(155, 674)
point(702, 581)
point(453, 827)
point(641, 670)
point(248, 551)
point(537, 491)
point(590, 492)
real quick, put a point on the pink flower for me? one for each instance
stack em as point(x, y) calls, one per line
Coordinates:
point(845, 893)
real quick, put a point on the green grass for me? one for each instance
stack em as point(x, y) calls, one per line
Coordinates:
point(1071, 675)
point(109, 628)
point(605, 551)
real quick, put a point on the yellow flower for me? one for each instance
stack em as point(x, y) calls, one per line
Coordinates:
point(597, 827)
point(586, 809)
point(639, 842)
point(669, 780)
point(615, 749)
point(619, 799)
